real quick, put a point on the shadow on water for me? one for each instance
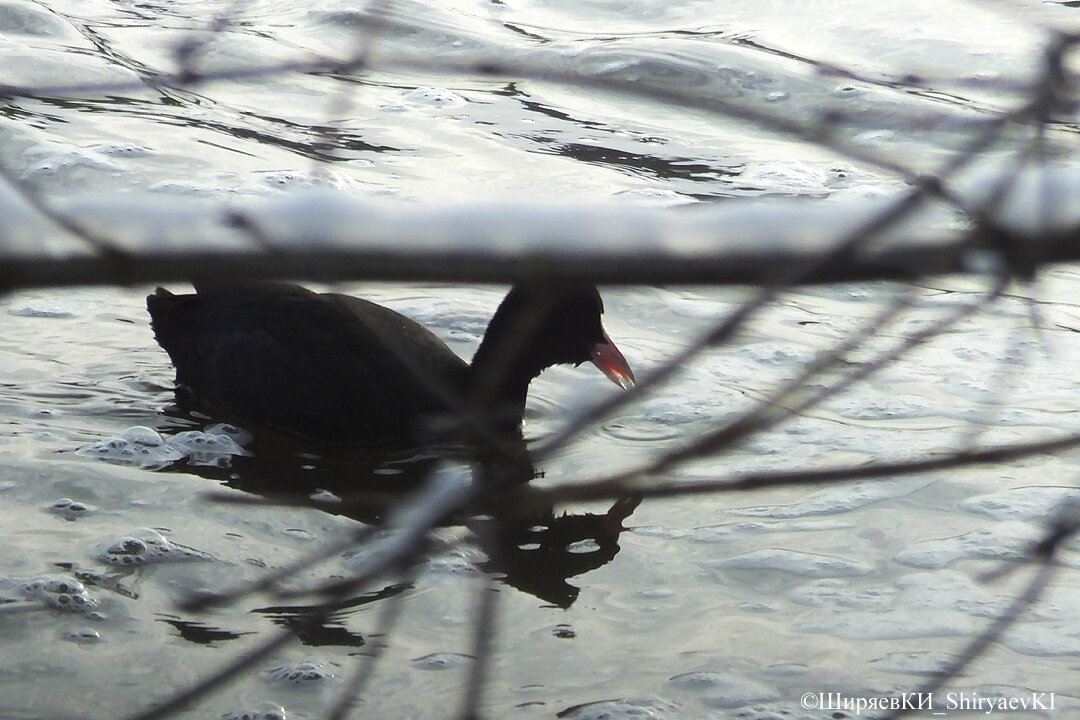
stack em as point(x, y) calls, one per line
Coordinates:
point(528, 546)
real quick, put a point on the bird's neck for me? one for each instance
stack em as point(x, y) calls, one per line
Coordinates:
point(498, 387)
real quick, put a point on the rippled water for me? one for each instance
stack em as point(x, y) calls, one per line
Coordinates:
point(724, 605)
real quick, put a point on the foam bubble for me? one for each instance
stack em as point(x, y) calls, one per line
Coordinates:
point(919, 662)
point(647, 708)
point(70, 509)
point(785, 176)
point(145, 447)
point(897, 624)
point(436, 97)
point(440, 661)
point(305, 674)
point(54, 158)
point(583, 547)
point(839, 498)
point(148, 547)
point(727, 531)
point(325, 496)
point(137, 446)
point(724, 690)
point(778, 711)
point(1005, 540)
point(263, 711)
point(832, 592)
point(207, 448)
point(82, 636)
point(794, 561)
point(655, 197)
point(1022, 503)
point(1043, 641)
point(118, 149)
point(54, 591)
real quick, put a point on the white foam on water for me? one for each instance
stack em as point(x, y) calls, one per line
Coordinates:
point(261, 711)
point(302, 674)
point(782, 710)
point(795, 562)
point(440, 661)
point(211, 448)
point(137, 446)
point(1010, 540)
point(82, 636)
point(146, 547)
point(893, 625)
point(941, 603)
point(55, 158)
point(728, 531)
point(724, 690)
point(839, 498)
point(70, 509)
point(146, 448)
point(835, 592)
point(917, 662)
point(1044, 639)
point(645, 708)
point(55, 592)
point(583, 547)
point(1023, 503)
point(434, 97)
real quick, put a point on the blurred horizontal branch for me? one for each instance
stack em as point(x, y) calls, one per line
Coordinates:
point(1028, 219)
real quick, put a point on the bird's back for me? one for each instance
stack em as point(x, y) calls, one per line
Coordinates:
point(329, 367)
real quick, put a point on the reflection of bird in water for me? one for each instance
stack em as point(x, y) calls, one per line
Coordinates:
point(532, 547)
point(346, 397)
point(537, 553)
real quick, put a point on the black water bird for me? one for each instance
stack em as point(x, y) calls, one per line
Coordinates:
point(341, 370)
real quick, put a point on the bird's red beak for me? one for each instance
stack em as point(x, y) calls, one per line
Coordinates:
point(612, 363)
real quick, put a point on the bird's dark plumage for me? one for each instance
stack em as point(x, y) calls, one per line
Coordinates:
point(342, 370)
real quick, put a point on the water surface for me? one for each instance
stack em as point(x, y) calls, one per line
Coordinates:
point(719, 605)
